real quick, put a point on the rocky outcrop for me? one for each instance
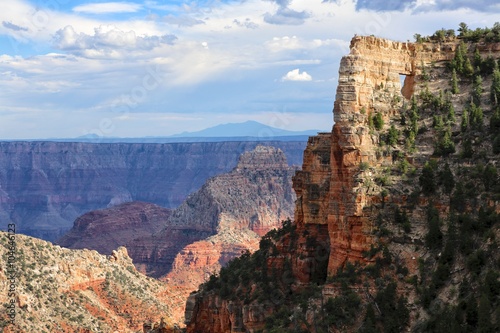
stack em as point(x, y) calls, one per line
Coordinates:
point(105, 230)
point(242, 205)
point(45, 186)
point(329, 187)
point(339, 201)
point(62, 290)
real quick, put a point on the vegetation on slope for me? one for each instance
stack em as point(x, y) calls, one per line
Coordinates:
point(61, 290)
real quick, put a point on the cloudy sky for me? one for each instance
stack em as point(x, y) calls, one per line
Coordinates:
point(141, 68)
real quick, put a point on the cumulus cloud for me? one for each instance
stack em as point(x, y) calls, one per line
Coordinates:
point(106, 40)
point(108, 7)
point(295, 75)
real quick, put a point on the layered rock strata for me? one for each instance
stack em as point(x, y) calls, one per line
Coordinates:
point(107, 229)
point(329, 188)
point(237, 208)
point(45, 186)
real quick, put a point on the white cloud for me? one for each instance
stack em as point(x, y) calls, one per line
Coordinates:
point(295, 75)
point(108, 7)
point(77, 67)
point(182, 20)
point(106, 41)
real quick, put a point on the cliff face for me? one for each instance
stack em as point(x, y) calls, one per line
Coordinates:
point(356, 198)
point(369, 83)
point(62, 290)
point(45, 186)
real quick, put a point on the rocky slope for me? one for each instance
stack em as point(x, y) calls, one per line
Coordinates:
point(45, 186)
point(107, 229)
point(380, 200)
point(62, 290)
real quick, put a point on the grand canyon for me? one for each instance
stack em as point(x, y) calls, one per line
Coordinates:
point(391, 224)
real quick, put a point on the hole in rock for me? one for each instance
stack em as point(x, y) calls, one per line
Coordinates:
point(408, 84)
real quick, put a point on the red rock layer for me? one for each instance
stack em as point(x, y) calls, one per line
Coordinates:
point(105, 230)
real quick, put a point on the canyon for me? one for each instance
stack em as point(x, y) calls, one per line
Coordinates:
point(45, 186)
point(223, 219)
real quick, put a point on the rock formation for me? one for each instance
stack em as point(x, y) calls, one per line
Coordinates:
point(342, 192)
point(254, 198)
point(233, 210)
point(329, 183)
point(45, 186)
point(219, 222)
point(107, 229)
point(62, 290)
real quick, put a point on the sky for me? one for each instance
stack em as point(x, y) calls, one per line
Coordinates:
point(155, 68)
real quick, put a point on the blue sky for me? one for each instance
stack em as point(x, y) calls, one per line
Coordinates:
point(142, 68)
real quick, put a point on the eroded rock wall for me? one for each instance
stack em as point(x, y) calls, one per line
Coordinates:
point(328, 188)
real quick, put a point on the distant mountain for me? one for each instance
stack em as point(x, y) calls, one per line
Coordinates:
point(247, 129)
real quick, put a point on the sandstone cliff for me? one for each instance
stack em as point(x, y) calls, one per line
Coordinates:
point(45, 186)
point(368, 250)
point(62, 290)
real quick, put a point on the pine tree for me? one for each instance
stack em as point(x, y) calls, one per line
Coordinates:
point(428, 179)
point(465, 120)
point(447, 180)
point(454, 83)
point(478, 60)
point(477, 90)
point(459, 59)
point(392, 136)
point(468, 69)
point(463, 29)
point(378, 121)
point(495, 87)
point(476, 116)
point(445, 145)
